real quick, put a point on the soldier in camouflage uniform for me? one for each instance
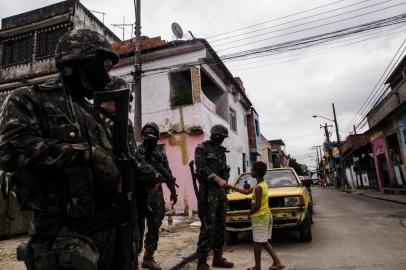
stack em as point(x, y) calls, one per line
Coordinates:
point(153, 208)
point(212, 172)
point(55, 142)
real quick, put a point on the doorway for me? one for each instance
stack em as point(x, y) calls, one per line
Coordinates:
point(382, 166)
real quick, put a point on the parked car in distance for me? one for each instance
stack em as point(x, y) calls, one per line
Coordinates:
point(289, 200)
point(315, 181)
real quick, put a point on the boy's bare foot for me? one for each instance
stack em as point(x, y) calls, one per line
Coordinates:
point(277, 267)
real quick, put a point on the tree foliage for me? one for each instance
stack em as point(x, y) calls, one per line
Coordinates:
point(301, 169)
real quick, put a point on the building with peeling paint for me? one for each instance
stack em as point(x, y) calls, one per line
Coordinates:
point(186, 89)
point(28, 40)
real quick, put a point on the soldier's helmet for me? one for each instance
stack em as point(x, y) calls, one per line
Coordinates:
point(151, 125)
point(83, 44)
point(220, 130)
point(116, 83)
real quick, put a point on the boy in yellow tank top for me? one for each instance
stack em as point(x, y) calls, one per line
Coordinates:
point(261, 218)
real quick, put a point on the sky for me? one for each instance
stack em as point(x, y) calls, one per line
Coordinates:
point(285, 89)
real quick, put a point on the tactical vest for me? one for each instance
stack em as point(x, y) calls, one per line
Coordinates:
point(68, 192)
point(216, 159)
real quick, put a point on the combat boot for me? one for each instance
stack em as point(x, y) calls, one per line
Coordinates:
point(222, 263)
point(149, 262)
point(202, 265)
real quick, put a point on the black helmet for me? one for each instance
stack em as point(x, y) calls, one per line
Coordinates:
point(153, 126)
point(220, 130)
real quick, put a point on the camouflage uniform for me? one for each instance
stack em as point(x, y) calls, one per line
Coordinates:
point(59, 149)
point(147, 176)
point(210, 160)
point(152, 205)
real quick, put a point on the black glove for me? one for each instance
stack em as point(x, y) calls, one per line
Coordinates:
point(174, 196)
point(105, 172)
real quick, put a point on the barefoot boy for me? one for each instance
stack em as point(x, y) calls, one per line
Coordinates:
point(261, 217)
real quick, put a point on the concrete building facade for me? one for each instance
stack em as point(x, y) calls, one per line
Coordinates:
point(266, 152)
point(28, 41)
point(186, 90)
point(386, 129)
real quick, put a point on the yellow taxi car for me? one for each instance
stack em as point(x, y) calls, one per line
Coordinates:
point(289, 201)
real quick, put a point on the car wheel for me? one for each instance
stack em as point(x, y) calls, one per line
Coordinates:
point(311, 214)
point(306, 229)
point(230, 237)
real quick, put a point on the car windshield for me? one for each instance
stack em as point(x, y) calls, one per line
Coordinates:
point(274, 178)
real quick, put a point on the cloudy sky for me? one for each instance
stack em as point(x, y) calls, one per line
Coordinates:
point(286, 89)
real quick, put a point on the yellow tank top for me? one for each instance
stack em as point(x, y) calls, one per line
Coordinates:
point(264, 199)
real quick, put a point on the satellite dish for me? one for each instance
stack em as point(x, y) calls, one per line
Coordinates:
point(177, 30)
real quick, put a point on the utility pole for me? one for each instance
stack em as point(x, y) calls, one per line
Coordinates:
point(137, 72)
point(317, 160)
point(342, 173)
point(321, 156)
point(327, 134)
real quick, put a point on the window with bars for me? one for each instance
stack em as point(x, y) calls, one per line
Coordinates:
point(17, 50)
point(47, 40)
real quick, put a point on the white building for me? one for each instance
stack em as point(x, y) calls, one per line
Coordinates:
point(186, 89)
point(28, 41)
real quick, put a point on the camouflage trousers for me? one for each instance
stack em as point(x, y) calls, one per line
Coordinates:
point(151, 210)
point(52, 239)
point(214, 203)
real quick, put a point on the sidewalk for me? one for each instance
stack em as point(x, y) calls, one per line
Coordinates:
point(177, 245)
point(381, 196)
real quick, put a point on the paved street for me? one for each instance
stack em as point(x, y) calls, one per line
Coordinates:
point(350, 232)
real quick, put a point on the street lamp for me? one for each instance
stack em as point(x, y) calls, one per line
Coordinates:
point(315, 116)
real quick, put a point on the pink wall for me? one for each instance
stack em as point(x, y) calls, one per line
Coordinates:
point(180, 151)
point(378, 148)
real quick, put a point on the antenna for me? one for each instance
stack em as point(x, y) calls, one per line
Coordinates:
point(122, 26)
point(98, 12)
point(177, 30)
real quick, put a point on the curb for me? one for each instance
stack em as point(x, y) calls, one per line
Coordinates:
point(383, 199)
point(182, 258)
point(373, 197)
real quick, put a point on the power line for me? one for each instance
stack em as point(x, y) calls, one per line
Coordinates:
point(297, 44)
point(334, 48)
point(329, 43)
point(276, 19)
point(299, 19)
point(306, 29)
point(320, 38)
point(374, 91)
point(303, 42)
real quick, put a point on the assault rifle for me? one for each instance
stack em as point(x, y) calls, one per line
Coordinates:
point(150, 159)
point(123, 213)
point(200, 207)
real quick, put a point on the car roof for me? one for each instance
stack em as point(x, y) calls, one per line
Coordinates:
point(274, 169)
